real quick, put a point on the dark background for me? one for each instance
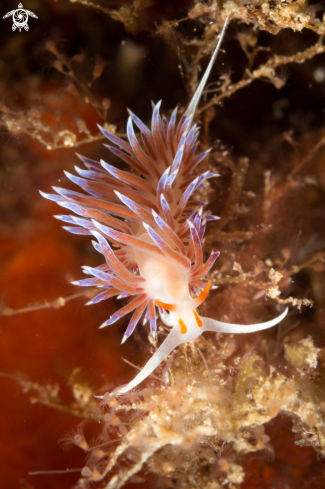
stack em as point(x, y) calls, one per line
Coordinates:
point(38, 258)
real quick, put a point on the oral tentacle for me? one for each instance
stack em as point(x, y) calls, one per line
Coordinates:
point(170, 343)
point(220, 327)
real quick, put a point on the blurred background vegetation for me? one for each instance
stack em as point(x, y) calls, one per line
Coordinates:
point(83, 63)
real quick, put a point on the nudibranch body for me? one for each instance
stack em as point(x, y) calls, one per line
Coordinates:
point(149, 229)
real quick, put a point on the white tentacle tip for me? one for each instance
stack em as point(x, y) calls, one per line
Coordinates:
point(146, 226)
point(191, 225)
point(104, 325)
point(96, 223)
point(104, 164)
point(98, 397)
point(118, 194)
point(283, 315)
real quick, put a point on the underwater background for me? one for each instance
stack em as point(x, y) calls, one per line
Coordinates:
point(83, 63)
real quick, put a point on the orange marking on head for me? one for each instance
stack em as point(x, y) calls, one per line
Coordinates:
point(201, 298)
point(183, 326)
point(168, 307)
point(198, 320)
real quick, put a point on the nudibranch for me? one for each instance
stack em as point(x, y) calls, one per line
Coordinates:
point(149, 229)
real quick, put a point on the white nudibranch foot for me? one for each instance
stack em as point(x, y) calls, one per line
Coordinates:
point(176, 338)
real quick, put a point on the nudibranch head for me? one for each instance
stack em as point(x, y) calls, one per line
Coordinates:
point(148, 226)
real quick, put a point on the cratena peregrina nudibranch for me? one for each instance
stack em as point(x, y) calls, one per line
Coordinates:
point(155, 228)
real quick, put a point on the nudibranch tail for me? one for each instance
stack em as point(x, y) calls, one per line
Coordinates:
point(148, 227)
point(190, 112)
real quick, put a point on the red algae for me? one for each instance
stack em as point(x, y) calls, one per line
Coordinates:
point(46, 345)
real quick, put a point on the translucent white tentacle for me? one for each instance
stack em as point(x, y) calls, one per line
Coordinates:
point(220, 327)
point(171, 342)
point(196, 97)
